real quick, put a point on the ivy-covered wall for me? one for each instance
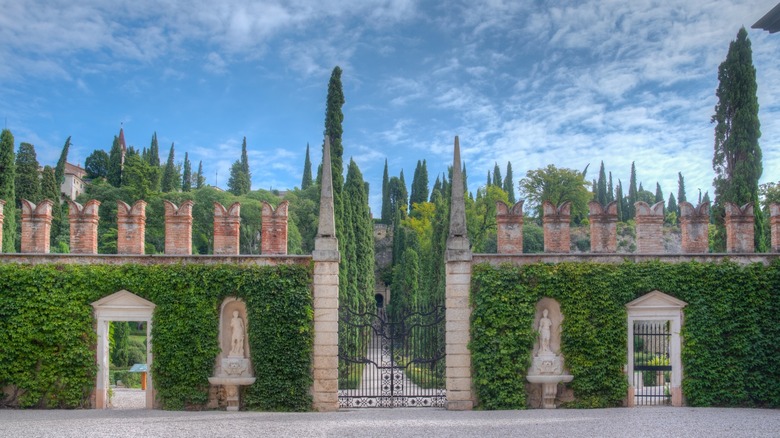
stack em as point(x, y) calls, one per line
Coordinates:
point(731, 329)
point(47, 333)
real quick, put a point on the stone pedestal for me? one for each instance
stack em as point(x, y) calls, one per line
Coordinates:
point(233, 367)
point(547, 367)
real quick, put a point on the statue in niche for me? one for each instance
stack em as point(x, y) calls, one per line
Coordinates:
point(545, 328)
point(237, 336)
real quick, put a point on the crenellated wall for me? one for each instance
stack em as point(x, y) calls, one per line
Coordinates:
point(739, 228)
point(178, 228)
point(131, 227)
point(83, 227)
point(509, 228)
point(694, 225)
point(649, 228)
point(227, 224)
point(273, 238)
point(774, 225)
point(603, 227)
point(36, 226)
point(556, 227)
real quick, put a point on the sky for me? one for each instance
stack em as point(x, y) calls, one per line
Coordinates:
point(569, 83)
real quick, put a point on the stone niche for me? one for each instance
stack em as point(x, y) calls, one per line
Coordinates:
point(233, 367)
point(547, 367)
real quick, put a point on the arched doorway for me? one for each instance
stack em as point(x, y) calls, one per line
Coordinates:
point(120, 306)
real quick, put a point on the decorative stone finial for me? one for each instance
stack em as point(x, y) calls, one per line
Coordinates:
point(326, 245)
point(458, 246)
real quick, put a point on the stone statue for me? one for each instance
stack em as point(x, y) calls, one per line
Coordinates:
point(237, 337)
point(545, 326)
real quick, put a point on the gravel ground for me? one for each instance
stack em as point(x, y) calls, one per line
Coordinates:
point(126, 398)
point(638, 422)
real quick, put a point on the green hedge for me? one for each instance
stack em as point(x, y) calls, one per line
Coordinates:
point(47, 334)
point(730, 332)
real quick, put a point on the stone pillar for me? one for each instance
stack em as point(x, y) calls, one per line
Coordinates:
point(36, 226)
point(227, 223)
point(273, 238)
point(131, 228)
point(2, 218)
point(603, 227)
point(326, 256)
point(509, 224)
point(649, 228)
point(83, 227)
point(178, 228)
point(694, 224)
point(556, 227)
point(460, 393)
point(739, 228)
point(774, 225)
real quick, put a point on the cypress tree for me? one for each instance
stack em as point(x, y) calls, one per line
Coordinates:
point(403, 194)
point(509, 184)
point(622, 212)
point(497, 180)
point(601, 191)
point(114, 175)
point(153, 158)
point(361, 257)
point(671, 207)
point(200, 180)
point(186, 178)
point(245, 168)
point(737, 160)
point(610, 190)
point(306, 181)
point(680, 188)
point(419, 185)
point(59, 171)
point(170, 176)
point(437, 189)
point(659, 195)
point(51, 190)
point(387, 208)
point(632, 193)
point(7, 189)
point(28, 184)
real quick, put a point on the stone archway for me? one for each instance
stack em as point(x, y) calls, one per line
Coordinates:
point(659, 309)
point(120, 306)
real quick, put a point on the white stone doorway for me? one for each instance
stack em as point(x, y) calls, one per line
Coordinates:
point(655, 318)
point(120, 306)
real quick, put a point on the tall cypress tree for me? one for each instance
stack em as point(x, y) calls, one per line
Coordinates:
point(601, 190)
point(632, 193)
point(509, 184)
point(153, 158)
point(622, 210)
point(671, 207)
point(59, 171)
point(170, 176)
point(419, 185)
point(610, 190)
point(387, 208)
point(28, 184)
point(245, 167)
point(659, 195)
point(114, 176)
point(497, 180)
point(7, 189)
point(681, 188)
point(51, 190)
point(306, 181)
point(360, 257)
point(737, 158)
point(186, 178)
point(200, 180)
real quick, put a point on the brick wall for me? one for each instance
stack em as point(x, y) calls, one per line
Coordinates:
point(227, 223)
point(273, 238)
point(739, 228)
point(556, 227)
point(694, 224)
point(774, 224)
point(603, 227)
point(178, 228)
point(2, 218)
point(509, 224)
point(36, 226)
point(649, 228)
point(83, 226)
point(131, 227)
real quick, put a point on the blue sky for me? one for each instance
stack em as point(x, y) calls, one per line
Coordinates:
point(534, 83)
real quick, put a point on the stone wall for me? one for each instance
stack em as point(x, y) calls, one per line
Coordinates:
point(739, 228)
point(227, 224)
point(178, 228)
point(694, 224)
point(556, 227)
point(131, 227)
point(649, 228)
point(603, 227)
point(83, 227)
point(509, 228)
point(36, 226)
point(273, 238)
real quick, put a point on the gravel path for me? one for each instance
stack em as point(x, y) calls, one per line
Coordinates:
point(126, 398)
point(638, 422)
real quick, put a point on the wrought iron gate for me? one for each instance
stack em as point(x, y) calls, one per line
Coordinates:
point(652, 369)
point(391, 363)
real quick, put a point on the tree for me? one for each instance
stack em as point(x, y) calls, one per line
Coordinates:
point(59, 171)
point(245, 167)
point(306, 181)
point(387, 210)
point(659, 195)
point(497, 180)
point(632, 193)
point(601, 191)
point(28, 184)
point(557, 186)
point(509, 184)
point(51, 190)
point(398, 195)
point(672, 208)
point(170, 177)
point(7, 189)
point(114, 172)
point(622, 212)
point(138, 177)
point(610, 190)
point(96, 164)
point(200, 180)
point(186, 178)
point(681, 188)
point(419, 185)
point(360, 248)
point(153, 158)
point(737, 160)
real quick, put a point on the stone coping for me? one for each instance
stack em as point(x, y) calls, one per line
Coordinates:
point(154, 259)
point(527, 259)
